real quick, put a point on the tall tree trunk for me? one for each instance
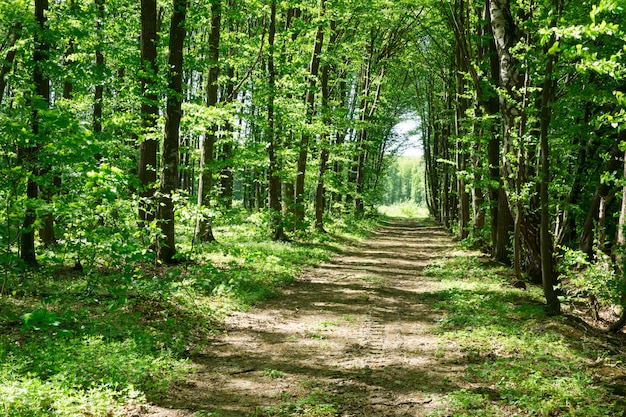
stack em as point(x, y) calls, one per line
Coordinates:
point(462, 66)
point(169, 158)
point(547, 269)
point(310, 111)
point(28, 155)
point(204, 229)
point(501, 220)
point(505, 35)
point(320, 190)
point(274, 188)
point(147, 170)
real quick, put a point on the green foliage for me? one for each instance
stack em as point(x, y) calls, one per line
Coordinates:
point(519, 360)
point(405, 181)
point(583, 280)
point(87, 342)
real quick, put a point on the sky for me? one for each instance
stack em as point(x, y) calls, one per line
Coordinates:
point(406, 129)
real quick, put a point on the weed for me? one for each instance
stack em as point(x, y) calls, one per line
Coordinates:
point(373, 280)
point(349, 318)
point(317, 404)
point(273, 373)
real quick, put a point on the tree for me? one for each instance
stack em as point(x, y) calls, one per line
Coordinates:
point(274, 187)
point(169, 158)
point(149, 109)
point(204, 229)
point(310, 110)
point(28, 154)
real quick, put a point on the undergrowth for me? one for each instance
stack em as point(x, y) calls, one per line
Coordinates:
point(520, 361)
point(120, 331)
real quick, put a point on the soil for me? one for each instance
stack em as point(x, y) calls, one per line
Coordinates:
point(357, 331)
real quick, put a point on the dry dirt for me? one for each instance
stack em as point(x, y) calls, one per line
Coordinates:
point(358, 328)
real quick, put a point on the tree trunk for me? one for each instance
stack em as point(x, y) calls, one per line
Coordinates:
point(274, 187)
point(147, 170)
point(169, 158)
point(28, 155)
point(505, 35)
point(462, 66)
point(320, 191)
point(310, 111)
point(204, 229)
point(547, 269)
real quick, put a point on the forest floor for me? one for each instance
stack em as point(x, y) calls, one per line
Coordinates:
point(356, 336)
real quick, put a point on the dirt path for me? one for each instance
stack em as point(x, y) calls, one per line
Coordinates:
point(356, 331)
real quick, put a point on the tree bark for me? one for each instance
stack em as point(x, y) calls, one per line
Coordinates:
point(547, 269)
point(204, 229)
point(274, 187)
point(28, 155)
point(505, 35)
point(310, 111)
point(166, 248)
point(320, 190)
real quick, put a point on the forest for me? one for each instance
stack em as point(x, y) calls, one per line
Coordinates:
point(165, 163)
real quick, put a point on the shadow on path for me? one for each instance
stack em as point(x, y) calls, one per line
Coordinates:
point(358, 329)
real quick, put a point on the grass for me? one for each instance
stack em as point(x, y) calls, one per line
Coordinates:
point(406, 209)
point(519, 360)
point(86, 343)
point(316, 404)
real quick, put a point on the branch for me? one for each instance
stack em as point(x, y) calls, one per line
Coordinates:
point(233, 94)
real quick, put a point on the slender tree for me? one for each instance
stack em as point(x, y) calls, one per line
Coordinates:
point(274, 189)
point(204, 229)
point(169, 157)
point(149, 109)
point(314, 66)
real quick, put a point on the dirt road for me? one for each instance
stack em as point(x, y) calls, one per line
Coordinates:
point(353, 337)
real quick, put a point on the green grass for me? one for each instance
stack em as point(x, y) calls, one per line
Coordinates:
point(406, 209)
point(316, 404)
point(519, 360)
point(85, 343)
